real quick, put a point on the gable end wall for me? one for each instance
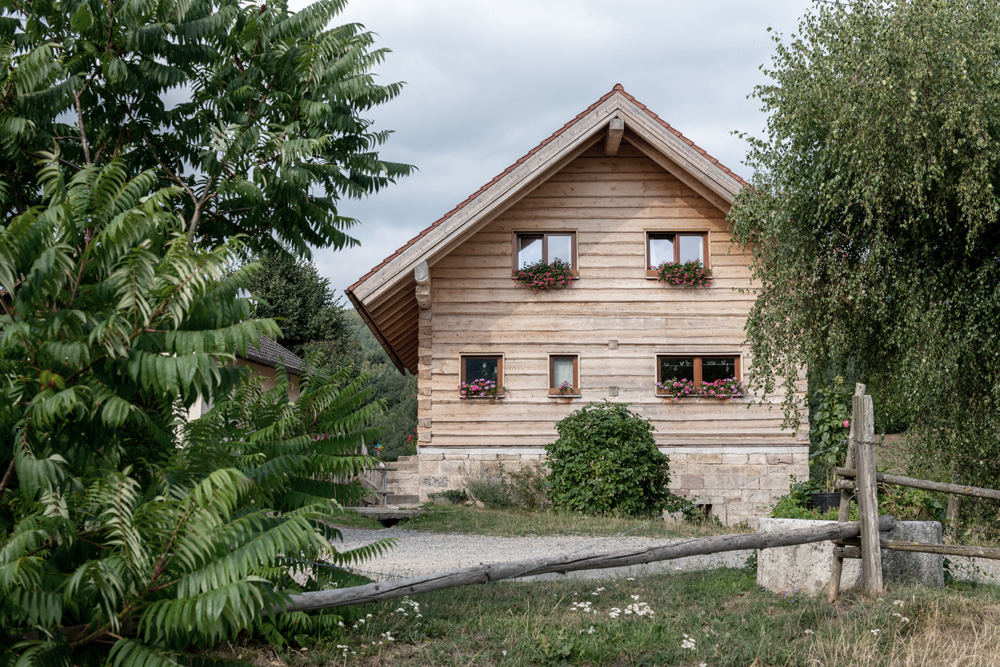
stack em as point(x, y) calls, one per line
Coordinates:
point(476, 308)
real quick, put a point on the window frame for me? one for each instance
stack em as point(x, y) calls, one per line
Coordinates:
point(545, 234)
point(554, 391)
point(484, 355)
point(697, 358)
point(652, 233)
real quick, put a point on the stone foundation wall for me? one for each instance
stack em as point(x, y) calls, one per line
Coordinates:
point(740, 485)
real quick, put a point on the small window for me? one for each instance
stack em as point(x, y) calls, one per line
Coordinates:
point(482, 376)
point(532, 247)
point(676, 248)
point(564, 375)
point(695, 370)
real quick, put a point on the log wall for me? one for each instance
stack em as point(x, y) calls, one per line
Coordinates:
point(615, 319)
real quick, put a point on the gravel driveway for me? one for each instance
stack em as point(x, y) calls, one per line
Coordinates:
point(417, 553)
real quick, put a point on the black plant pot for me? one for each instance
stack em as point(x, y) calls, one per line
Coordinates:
point(825, 501)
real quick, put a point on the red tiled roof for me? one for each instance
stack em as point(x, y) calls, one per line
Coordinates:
point(618, 88)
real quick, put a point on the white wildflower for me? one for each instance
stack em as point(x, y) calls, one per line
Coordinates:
point(876, 631)
point(615, 612)
point(590, 630)
point(688, 643)
point(806, 632)
point(634, 597)
point(898, 603)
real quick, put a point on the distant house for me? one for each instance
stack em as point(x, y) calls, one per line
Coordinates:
point(262, 360)
point(612, 192)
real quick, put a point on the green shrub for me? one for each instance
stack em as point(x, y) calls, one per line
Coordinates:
point(796, 504)
point(488, 487)
point(606, 461)
point(528, 489)
point(498, 489)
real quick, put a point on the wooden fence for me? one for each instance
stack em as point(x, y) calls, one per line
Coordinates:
point(858, 539)
point(859, 477)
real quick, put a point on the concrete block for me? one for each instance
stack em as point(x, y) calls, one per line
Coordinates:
point(779, 459)
point(431, 457)
point(705, 458)
point(509, 457)
point(806, 567)
point(434, 482)
point(756, 497)
point(723, 483)
point(757, 459)
point(454, 467)
point(430, 467)
point(693, 482)
point(738, 459)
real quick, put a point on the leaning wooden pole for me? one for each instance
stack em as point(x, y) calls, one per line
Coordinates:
point(871, 553)
point(844, 511)
point(483, 574)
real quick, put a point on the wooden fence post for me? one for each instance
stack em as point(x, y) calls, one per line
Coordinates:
point(863, 428)
point(844, 512)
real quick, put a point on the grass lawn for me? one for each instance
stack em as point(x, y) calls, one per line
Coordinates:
point(514, 523)
point(719, 617)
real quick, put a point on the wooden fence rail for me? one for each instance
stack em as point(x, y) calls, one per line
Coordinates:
point(912, 482)
point(860, 464)
point(482, 574)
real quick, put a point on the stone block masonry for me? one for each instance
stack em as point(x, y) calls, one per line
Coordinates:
point(740, 483)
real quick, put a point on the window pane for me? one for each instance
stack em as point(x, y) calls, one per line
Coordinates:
point(717, 368)
point(661, 249)
point(672, 368)
point(529, 250)
point(480, 368)
point(561, 247)
point(692, 248)
point(562, 371)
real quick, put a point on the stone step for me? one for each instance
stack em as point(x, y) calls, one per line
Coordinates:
point(404, 466)
point(402, 499)
point(412, 458)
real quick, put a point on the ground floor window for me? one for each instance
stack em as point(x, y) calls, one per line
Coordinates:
point(482, 376)
point(681, 376)
point(564, 375)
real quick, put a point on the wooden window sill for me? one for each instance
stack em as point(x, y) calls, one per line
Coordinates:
point(574, 275)
point(704, 398)
point(554, 393)
point(482, 398)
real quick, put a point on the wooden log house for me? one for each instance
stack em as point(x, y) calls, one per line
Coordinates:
point(612, 192)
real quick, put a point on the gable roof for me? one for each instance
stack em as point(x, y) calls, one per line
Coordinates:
point(267, 352)
point(384, 297)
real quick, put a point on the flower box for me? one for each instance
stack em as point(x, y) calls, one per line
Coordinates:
point(724, 389)
point(544, 276)
point(688, 275)
point(480, 388)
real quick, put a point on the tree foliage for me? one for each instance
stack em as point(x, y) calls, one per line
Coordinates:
point(606, 461)
point(873, 214)
point(254, 112)
point(300, 300)
point(118, 323)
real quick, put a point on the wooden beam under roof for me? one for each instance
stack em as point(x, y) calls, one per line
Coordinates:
point(616, 130)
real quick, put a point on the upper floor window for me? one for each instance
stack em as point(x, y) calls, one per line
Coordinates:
point(533, 247)
point(675, 248)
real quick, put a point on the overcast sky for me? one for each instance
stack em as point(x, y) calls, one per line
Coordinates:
point(487, 80)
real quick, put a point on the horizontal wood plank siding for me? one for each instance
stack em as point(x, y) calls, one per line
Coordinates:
point(611, 203)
